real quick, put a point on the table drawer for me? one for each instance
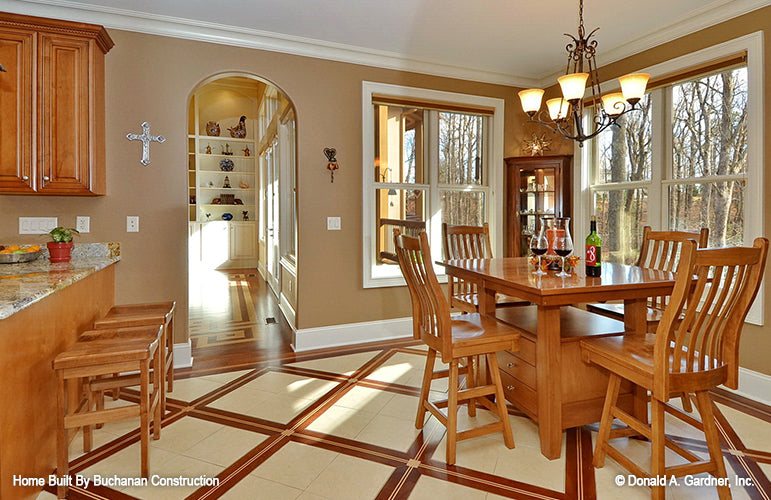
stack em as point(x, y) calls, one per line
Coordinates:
point(514, 365)
point(520, 395)
point(526, 349)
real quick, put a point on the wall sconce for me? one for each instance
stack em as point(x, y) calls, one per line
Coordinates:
point(331, 162)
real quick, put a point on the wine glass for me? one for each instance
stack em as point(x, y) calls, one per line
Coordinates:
point(563, 243)
point(539, 244)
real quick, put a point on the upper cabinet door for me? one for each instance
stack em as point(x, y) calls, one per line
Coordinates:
point(65, 88)
point(17, 50)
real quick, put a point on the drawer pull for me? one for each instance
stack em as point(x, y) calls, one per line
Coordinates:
point(45, 178)
point(509, 365)
point(25, 178)
point(509, 387)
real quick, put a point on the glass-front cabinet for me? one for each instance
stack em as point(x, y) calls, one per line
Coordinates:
point(536, 186)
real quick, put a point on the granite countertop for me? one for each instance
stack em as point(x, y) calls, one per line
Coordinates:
point(21, 285)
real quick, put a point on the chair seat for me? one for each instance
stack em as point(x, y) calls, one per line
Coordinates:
point(104, 347)
point(481, 334)
point(631, 356)
point(137, 315)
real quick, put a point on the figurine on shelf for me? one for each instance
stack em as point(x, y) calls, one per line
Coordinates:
point(247, 152)
point(212, 128)
point(211, 184)
point(226, 182)
point(246, 214)
point(243, 185)
point(226, 150)
point(208, 149)
point(208, 216)
point(239, 131)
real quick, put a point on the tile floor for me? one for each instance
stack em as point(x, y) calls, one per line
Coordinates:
point(339, 425)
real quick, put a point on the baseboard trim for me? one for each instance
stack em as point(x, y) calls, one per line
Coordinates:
point(183, 355)
point(753, 385)
point(351, 333)
point(286, 308)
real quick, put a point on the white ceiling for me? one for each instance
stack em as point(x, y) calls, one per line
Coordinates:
point(518, 42)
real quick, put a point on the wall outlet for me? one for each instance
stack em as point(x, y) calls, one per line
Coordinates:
point(132, 224)
point(83, 224)
point(333, 223)
point(37, 225)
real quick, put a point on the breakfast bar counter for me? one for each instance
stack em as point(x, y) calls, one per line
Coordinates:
point(43, 308)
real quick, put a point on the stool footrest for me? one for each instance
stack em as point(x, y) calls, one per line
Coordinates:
point(100, 416)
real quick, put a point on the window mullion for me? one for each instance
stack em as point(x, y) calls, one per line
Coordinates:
point(661, 159)
point(431, 156)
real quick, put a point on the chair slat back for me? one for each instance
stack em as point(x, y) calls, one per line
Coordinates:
point(661, 250)
point(430, 310)
point(701, 326)
point(465, 242)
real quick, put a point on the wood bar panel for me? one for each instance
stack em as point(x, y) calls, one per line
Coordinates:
point(29, 341)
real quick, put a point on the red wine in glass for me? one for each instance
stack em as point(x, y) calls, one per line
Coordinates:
point(562, 252)
point(539, 244)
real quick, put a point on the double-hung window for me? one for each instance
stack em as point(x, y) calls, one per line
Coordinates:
point(691, 158)
point(428, 158)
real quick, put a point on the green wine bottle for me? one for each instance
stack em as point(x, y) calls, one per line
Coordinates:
point(593, 250)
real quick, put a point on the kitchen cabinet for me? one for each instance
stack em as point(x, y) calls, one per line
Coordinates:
point(52, 106)
point(222, 245)
point(536, 186)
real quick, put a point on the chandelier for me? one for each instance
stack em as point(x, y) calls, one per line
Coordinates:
point(566, 112)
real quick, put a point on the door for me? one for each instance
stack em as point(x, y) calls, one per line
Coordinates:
point(272, 223)
point(242, 241)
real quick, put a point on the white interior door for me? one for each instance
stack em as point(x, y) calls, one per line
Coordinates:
point(272, 224)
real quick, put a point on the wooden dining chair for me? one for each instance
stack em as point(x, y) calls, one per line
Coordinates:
point(695, 348)
point(660, 250)
point(455, 340)
point(470, 242)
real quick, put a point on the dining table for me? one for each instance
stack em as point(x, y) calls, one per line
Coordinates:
point(547, 379)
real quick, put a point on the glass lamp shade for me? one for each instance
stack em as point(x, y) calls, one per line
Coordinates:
point(633, 86)
point(558, 108)
point(613, 104)
point(573, 85)
point(531, 100)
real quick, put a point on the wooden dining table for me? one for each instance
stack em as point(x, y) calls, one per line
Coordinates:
point(551, 319)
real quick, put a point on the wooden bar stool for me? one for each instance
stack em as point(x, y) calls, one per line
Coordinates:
point(104, 352)
point(156, 313)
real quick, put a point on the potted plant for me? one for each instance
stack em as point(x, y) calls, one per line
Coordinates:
point(60, 247)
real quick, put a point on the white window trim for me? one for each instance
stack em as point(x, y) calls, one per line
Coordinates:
point(372, 277)
point(754, 224)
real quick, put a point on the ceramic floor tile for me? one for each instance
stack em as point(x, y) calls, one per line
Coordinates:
point(345, 364)
point(192, 388)
point(256, 487)
point(401, 406)
point(225, 446)
point(242, 401)
point(364, 398)
point(429, 488)
point(527, 464)
point(277, 408)
point(479, 453)
point(295, 465)
point(100, 437)
point(224, 378)
point(341, 421)
point(178, 466)
point(350, 478)
point(291, 386)
point(183, 434)
point(389, 432)
point(44, 495)
point(401, 368)
point(753, 432)
point(126, 462)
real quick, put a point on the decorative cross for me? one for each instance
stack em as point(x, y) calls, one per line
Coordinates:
point(146, 138)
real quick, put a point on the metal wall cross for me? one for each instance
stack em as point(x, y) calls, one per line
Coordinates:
point(146, 138)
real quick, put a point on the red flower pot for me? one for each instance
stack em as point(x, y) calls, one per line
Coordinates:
point(60, 252)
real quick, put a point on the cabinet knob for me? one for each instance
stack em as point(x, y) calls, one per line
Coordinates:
point(510, 365)
point(25, 177)
point(509, 387)
point(45, 178)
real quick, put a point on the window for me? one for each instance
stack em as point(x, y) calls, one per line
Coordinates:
point(427, 160)
point(692, 158)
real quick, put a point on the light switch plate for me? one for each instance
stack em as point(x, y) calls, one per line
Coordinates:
point(333, 223)
point(83, 224)
point(37, 225)
point(132, 223)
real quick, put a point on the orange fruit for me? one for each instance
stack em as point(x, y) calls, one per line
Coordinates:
point(12, 248)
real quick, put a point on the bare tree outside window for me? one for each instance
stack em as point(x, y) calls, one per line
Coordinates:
point(461, 146)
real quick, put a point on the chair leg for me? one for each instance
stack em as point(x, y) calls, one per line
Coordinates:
point(144, 421)
point(657, 447)
point(88, 437)
point(686, 400)
point(471, 381)
point(704, 403)
point(452, 412)
point(606, 421)
point(425, 388)
point(62, 453)
point(500, 400)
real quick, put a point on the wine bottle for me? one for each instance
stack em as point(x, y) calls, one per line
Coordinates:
point(593, 246)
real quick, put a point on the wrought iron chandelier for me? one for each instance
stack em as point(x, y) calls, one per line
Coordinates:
point(566, 112)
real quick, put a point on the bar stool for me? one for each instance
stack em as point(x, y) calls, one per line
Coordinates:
point(156, 313)
point(104, 352)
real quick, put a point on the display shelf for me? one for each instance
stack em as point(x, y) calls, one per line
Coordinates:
point(223, 138)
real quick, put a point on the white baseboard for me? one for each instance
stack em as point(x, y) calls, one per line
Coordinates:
point(288, 310)
point(351, 333)
point(183, 355)
point(754, 385)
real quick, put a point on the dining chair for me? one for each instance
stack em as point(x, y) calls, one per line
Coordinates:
point(660, 250)
point(454, 340)
point(695, 348)
point(470, 242)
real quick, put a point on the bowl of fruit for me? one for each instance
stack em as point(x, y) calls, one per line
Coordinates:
point(13, 254)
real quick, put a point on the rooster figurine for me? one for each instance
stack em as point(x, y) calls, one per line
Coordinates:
point(239, 131)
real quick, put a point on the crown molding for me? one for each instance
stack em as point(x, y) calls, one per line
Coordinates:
point(697, 20)
point(203, 31)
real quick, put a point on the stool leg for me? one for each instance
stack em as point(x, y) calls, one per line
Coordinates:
point(159, 366)
point(62, 453)
point(88, 438)
point(425, 388)
point(170, 355)
point(500, 400)
point(158, 400)
point(144, 425)
point(452, 412)
point(471, 375)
